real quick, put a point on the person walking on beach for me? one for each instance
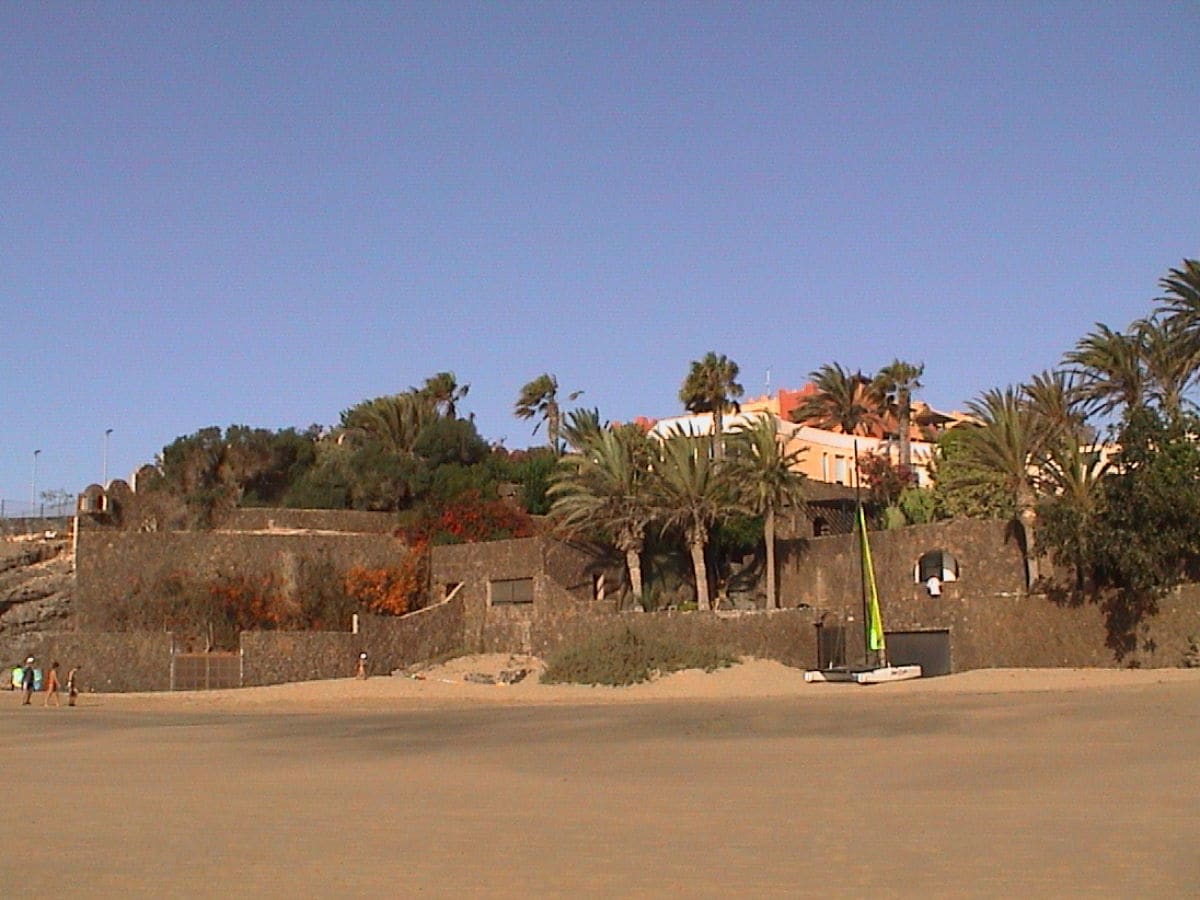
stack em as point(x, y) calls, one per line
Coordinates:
point(361, 674)
point(52, 686)
point(72, 685)
point(27, 682)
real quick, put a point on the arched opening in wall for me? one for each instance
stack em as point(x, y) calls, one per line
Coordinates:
point(935, 568)
point(820, 526)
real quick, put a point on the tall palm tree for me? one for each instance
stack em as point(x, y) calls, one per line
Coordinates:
point(765, 481)
point(602, 486)
point(844, 401)
point(539, 398)
point(1005, 447)
point(1109, 366)
point(711, 386)
point(691, 492)
point(896, 382)
point(443, 392)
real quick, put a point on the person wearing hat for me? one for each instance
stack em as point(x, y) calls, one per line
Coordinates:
point(27, 682)
point(362, 666)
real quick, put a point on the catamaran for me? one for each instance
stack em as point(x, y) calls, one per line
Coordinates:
point(876, 668)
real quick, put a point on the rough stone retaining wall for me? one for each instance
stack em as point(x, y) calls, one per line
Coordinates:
point(788, 636)
point(1035, 631)
point(112, 564)
point(278, 657)
point(393, 643)
point(112, 662)
point(823, 572)
point(390, 642)
point(351, 521)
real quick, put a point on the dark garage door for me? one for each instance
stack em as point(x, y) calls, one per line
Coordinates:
point(928, 649)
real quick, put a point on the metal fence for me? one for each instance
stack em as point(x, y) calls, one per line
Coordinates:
point(23, 509)
point(205, 671)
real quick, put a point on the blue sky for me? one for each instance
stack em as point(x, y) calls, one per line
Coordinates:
point(262, 214)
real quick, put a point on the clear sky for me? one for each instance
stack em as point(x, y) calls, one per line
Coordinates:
point(262, 214)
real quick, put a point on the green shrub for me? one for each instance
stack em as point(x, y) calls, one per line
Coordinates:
point(620, 656)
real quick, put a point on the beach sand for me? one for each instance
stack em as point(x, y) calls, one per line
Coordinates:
point(745, 781)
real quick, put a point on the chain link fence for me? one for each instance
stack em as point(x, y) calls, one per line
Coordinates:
point(23, 517)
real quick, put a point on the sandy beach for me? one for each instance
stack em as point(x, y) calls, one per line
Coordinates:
point(745, 781)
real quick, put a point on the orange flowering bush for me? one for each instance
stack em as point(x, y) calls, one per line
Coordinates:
point(392, 590)
point(396, 590)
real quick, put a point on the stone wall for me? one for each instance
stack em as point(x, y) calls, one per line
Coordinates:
point(351, 521)
point(278, 657)
point(824, 572)
point(1037, 631)
point(396, 642)
point(114, 564)
point(788, 636)
point(111, 662)
point(390, 642)
point(562, 585)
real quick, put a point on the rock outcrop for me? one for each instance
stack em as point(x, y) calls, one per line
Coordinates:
point(37, 580)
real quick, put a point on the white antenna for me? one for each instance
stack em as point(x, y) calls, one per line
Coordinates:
point(768, 381)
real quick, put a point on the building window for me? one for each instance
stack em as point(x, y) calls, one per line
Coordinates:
point(510, 590)
point(839, 469)
point(936, 564)
point(824, 466)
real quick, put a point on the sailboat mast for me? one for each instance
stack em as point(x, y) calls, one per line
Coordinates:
point(860, 528)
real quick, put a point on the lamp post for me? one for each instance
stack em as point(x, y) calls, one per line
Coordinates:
point(33, 486)
point(104, 470)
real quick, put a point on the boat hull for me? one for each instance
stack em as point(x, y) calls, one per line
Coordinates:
point(878, 675)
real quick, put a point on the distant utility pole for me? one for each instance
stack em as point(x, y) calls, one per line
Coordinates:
point(104, 469)
point(33, 486)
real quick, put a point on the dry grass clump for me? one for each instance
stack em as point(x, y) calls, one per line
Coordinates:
point(620, 656)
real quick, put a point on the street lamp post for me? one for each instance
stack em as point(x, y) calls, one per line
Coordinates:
point(33, 486)
point(104, 470)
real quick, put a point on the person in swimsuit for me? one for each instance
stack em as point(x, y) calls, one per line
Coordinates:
point(52, 686)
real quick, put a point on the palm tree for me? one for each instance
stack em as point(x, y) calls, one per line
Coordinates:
point(711, 386)
point(691, 492)
point(1055, 397)
point(844, 401)
point(443, 393)
point(581, 426)
point(896, 382)
point(1170, 358)
point(1109, 365)
point(766, 481)
point(1005, 447)
point(539, 398)
point(1182, 300)
point(1074, 473)
point(394, 421)
point(603, 487)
